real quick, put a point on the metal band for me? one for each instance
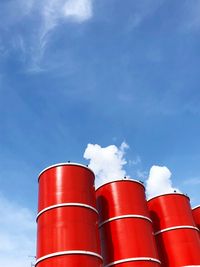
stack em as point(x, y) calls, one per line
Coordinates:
point(132, 259)
point(66, 205)
point(125, 217)
point(175, 228)
point(65, 164)
point(69, 252)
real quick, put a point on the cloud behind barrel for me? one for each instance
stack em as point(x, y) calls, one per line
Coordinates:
point(159, 182)
point(106, 162)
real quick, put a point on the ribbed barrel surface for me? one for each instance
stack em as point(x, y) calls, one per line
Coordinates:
point(176, 234)
point(125, 227)
point(67, 218)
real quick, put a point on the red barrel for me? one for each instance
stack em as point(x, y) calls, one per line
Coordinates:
point(196, 216)
point(175, 231)
point(67, 233)
point(125, 227)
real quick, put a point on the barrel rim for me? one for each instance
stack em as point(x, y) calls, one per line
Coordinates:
point(165, 194)
point(196, 207)
point(65, 164)
point(121, 180)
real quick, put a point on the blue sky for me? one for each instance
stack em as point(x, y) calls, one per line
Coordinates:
point(74, 72)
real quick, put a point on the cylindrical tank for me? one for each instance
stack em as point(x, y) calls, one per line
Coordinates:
point(196, 216)
point(175, 231)
point(125, 227)
point(67, 233)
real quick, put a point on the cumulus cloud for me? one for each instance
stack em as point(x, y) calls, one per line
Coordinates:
point(106, 162)
point(17, 234)
point(159, 182)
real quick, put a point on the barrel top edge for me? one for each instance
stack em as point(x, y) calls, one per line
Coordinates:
point(120, 180)
point(65, 164)
point(196, 207)
point(165, 194)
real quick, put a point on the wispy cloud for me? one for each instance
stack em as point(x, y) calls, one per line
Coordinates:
point(43, 17)
point(17, 234)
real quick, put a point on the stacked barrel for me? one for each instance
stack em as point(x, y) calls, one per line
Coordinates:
point(125, 226)
point(175, 231)
point(67, 218)
point(196, 216)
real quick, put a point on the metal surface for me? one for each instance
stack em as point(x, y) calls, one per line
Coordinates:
point(67, 218)
point(196, 216)
point(176, 234)
point(125, 227)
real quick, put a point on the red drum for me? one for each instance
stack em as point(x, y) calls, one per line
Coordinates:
point(125, 226)
point(175, 231)
point(196, 216)
point(67, 218)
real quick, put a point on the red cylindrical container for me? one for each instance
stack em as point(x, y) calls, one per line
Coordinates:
point(196, 216)
point(175, 231)
point(125, 227)
point(67, 218)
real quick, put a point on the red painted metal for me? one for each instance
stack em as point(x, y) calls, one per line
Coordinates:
point(196, 216)
point(125, 227)
point(176, 235)
point(67, 218)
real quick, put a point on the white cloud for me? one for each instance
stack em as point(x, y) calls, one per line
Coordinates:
point(106, 162)
point(79, 10)
point(159, 182)
point(17, 234)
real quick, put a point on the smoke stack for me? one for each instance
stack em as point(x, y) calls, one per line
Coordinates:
point(67, 217)
point(125, 227)
point(176, 234)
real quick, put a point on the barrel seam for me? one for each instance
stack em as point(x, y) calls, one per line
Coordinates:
point(132, 259)
point(66, 205)
point(125, 217)
point(68, 252)
point(175, 228)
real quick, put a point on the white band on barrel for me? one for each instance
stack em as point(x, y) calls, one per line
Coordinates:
point(175, 228)
point(125, 217)
point(66, 205)
point(132, 259)
point(69, 252)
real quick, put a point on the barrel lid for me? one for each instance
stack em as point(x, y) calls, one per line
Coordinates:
point(121, 180)
point(165, 194)
point(65, 164)
point(196, 207)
